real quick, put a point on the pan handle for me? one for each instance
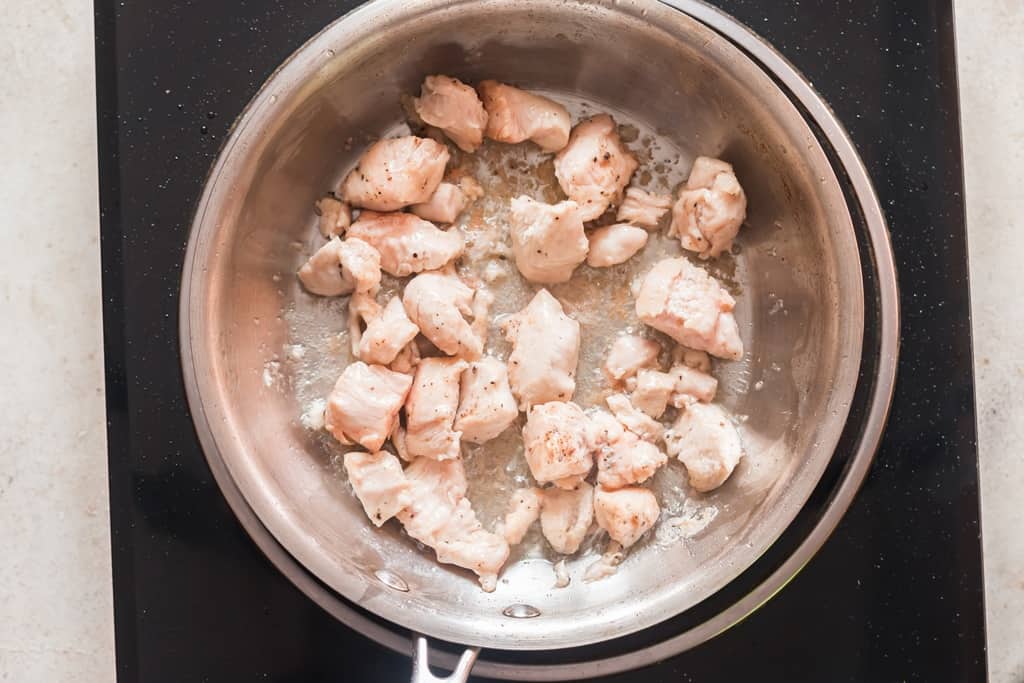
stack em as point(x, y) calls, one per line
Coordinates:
point(421, 672)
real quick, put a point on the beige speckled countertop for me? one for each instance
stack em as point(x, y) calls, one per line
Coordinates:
point(55, 592)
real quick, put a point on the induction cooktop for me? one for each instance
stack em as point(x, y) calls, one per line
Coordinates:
point(894, 595)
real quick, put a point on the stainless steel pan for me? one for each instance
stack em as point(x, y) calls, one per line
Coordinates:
point(663, 67)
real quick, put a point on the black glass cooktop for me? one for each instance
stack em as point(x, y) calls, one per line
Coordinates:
point(894, 595)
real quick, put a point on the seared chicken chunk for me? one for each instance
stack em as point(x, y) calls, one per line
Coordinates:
point(711, 208)
point(653, 391)
point(632, 419)
point(615, 244)
point(692, 385)
point(626, 513)
point(395, 173)
point(698, 360)
point(557, 444)
point(453, 106)
point(379, 483)
point(546, 348)
point(436, 303)
point(440, 516)
point(643, 208)
point(407, 243)
point(430, 410)
point(706, 441)
point(690, 306)
point(487, 407)
point(548, 240)
point(628, 460)
point(523, 512)
point(516, 116)
point(340, 268)
point(595, 167)
point(449, 201)
point(386, 335)
point(565, 517)
point(628, 354)
point(363, 408)
point(335, 217)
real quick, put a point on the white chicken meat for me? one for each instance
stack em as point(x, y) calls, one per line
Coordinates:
point(632, 419)
point(711, 208)
point(386, 334)
point(437, 304)
point(407, 244)
point(546, 349)
point(516, 116)
point(379, 484)
point(566, 516)
point(430, 410)
point(449, 201)
point(441, 517)
point(630, 353)
point(335, 216)
point(687, 304)
point(643, 208)
point(628, 460)
point(451, 105)
point(595, 167)
point(652, 390)
point(692, 385)
point(548, 240)
point(363, 407)
point(707, 443)
point(626, 513)
point(524, 509)
point(342, 267)
point(615, 244)
point(557, 444)
point(486, 405)
point(395, 173)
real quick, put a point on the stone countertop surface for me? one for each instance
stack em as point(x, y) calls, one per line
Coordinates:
point(55, 590)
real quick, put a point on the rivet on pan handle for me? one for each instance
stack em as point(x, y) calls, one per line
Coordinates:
point(421, 672)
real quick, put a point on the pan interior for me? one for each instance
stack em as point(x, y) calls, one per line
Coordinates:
point(261, 349)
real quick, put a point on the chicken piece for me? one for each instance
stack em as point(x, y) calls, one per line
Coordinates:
point(548, 240)
point(711, 208)
point(335, 216)
point(440, 516)
point(523, 512)
point(453, 106)
point(487, 407)
point(615, 244)
point(546, 349)
point(516, 116)
point(340, 268)
point(565, 517)
point(562, 578)
point(379, 483)
point(595, 167)
point(653, 391)
point(395, 173)
point(707, 443)
point(387, 334)
point(430, 410)
point(436, 303)
point(632, 419)
point(643, 208)
point(629, 354)
point(629, 460)
point(407, 243)
point(605, 429)
point(449, 201)
point(626, 513)
point(687, 304)
point(407, 360)
point(692, 385)
point(363, 408)
point(363, 309)
point(557, 444)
